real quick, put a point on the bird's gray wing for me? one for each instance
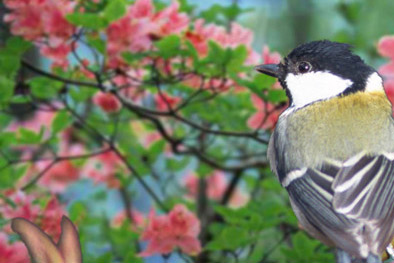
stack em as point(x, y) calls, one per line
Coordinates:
point(311, 196)
point(364, 187)
point(339, 200)
point(310, 190)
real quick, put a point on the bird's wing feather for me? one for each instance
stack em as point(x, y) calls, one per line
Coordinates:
point(364, 187)
point(339, 200)
point(312, 196)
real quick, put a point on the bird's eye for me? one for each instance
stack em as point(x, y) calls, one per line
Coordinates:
point(304, 67)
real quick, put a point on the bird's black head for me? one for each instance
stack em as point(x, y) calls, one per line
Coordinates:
point(320, 70)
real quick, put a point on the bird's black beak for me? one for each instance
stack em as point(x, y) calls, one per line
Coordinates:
point(268, 69)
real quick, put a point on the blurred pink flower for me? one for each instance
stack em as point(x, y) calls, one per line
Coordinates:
point(23, 206)
point(138, 219)
point(178, 229)
point(216, 186)
point(12, 253)
point(165, 102)
point(270, 58)
point(48, 218)
point(386, 46)
point(61, 174)
point(203, 33)
point(266, 115)
point(102, 168)
point(40, 118)
point(386, 49)
point(51, 218)
point(107, 102)
point(43, 21)
point(140, 27)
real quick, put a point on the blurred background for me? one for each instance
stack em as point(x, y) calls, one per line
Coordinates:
point(279, 24)
point(284, 24)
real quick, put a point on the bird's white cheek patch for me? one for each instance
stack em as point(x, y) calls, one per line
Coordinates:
point(374, 83)
point(314, 86)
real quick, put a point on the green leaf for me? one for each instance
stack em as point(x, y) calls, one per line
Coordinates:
point(91, 21)
point(7, 139)
point(277, 96)
point(81, 94)
point(17, 45)
point(45, 88)
point(169, 46)
point(263, 81)
point(30, 137)
point(10, 175)
point(61, 121)
point(9, 64)
point(77, 210)
point(10, 56)
point(134, 57)
point(114, 10)
point(238, 57)
point(98, 44)
point(6, 89)
point(156, 149)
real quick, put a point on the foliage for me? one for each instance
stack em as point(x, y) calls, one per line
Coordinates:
point(149, 124)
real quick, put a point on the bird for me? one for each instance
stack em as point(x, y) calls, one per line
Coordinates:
point(333, 148)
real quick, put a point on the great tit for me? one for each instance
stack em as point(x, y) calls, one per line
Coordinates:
point(333, 149)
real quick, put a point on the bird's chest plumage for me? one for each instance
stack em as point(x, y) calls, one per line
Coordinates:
point(335, 129)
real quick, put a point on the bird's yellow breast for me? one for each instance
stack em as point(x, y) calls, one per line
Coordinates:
point(339, 128)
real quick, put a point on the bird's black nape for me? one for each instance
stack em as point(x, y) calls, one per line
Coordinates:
point(336, 58)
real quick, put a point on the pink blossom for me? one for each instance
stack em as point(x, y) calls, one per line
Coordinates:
point(130, 84)
point(165, 102)
point(103, 168)
point(203, 33)
point(24, 206)
point(178, 229)
point(61, 174)
point(386, 46)
point(107, 102)
point(216, 184)
point(169, 21)
point(266, 115)
point(137, 217)
point(39, 119)
point(51, 218)
point(140, 27)
point(43, 21)
point(270, 58)
point(15, 252)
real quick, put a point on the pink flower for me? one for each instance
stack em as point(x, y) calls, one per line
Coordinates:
point(43, 21)
point(51, 218)
point(169, 21)
point(103, 168)
point(137, 217)
point(270, 58)
point(216, 186)
point(178, 229)
point(165, 102)
point(24, 206)
point(34, 123)
point(386, 46)
point(15, 252)
point(63, 173)
point(237, 36)
point(107, 102)
point(266, 115)
point(140, 27)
